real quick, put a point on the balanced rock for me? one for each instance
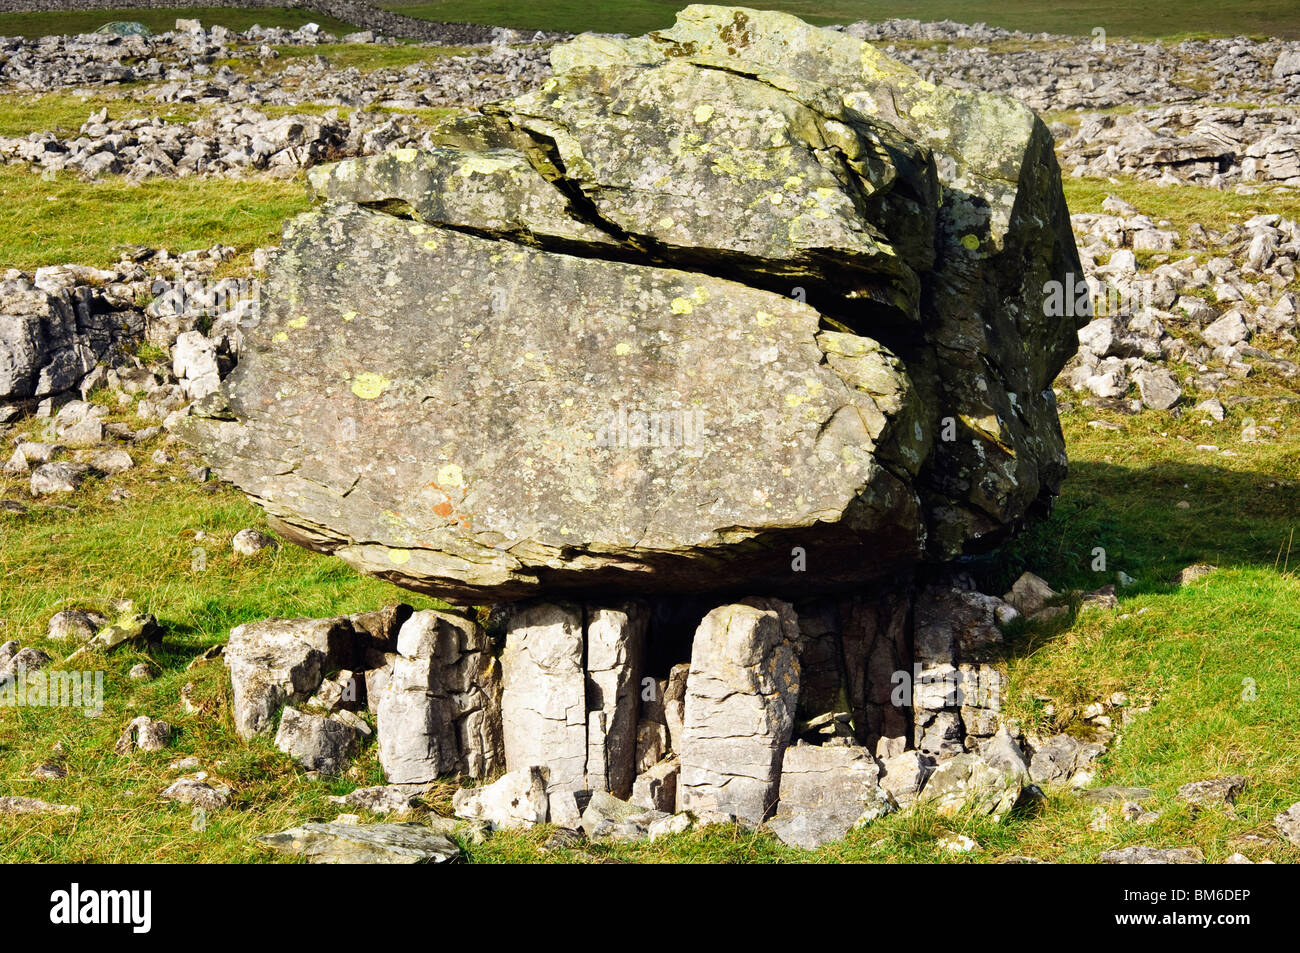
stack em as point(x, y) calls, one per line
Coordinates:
point(739, 286)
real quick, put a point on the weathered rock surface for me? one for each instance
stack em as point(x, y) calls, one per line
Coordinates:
point(544, 699)
point(1214, 792)
point(825, 793)
point(656, 788)
point(956, 688)
point(515, 800)
point(967, 782)
point(378, 800)
point(335, 843)
point(317, 742)
point(1153, 855)
point(144, 733)
point(280, 660)
point(440, 709)
point(1287, 824)
point(740, 705)
point(198, 792)
point(614, 642)
point(1064, 759)
point(31, 805)
point(671, 191)
point(609, 818)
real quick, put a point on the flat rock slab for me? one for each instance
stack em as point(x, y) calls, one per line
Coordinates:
point(510, 443)
point(1153, 855)
point(30, 805)
point(336, 843)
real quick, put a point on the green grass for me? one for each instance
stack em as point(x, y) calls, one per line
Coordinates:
point(1181, 205)
point(368, 56)
point(1171, 18)
point(64, 219)
point(1163, 19)
point(163, 19)
point(64, 114)
point(1189, 652)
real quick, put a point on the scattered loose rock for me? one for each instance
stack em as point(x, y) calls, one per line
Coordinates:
point(337, 843)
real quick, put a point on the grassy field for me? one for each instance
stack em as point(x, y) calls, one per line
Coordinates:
point(1188, 650)
point(1160, 19)
point(1163, 18)
point(64, 219)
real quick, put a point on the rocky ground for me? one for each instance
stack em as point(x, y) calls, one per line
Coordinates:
point(1185, 314)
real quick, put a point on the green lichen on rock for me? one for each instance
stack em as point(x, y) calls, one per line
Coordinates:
point(705, 296)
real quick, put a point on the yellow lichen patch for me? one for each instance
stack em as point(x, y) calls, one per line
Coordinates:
point(703, 113)
point(368, 385)
point(700, 294)
point(622, 348)
point(483, 165)
point(794, 400)
point(299, 322)
point(404, 155)
point(970, 242)
point(450, 474)
point(399, 557)
point(666, 222)
point(682, 306)
point(431, 245)
point(794, 183)
point(765, 320)
point(279, 337)
point(349, 315)
point(416, 229)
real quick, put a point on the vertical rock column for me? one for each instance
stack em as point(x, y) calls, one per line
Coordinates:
point(544, 702)
point(439, 712)
point(877, 644)
point(615, 642)
point(740, 708)
point(572, 693)
point(957, 688)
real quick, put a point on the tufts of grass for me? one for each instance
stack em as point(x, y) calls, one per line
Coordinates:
point(64, 219)
point(368, 56)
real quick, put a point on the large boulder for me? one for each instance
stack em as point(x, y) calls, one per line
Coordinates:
point(737, 288)
point(826, 792)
